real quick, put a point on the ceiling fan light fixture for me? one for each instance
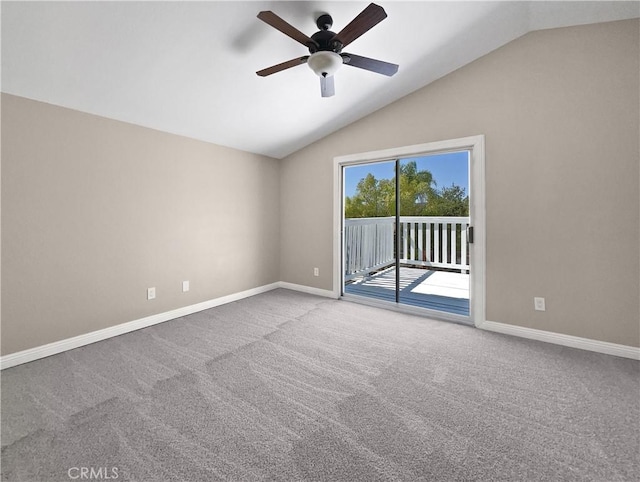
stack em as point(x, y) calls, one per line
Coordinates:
point(325, 47)
point(324, 63)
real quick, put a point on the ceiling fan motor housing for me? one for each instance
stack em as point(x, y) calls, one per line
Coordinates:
point(324, 37)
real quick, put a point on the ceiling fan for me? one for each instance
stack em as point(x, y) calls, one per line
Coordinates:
point(325, 47)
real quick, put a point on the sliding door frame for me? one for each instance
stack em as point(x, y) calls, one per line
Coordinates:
point(477, 250)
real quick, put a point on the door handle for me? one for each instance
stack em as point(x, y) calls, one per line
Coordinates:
point(470, 234)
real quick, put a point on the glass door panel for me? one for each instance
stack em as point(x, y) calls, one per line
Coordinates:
point(434, 216)
point(369, 252)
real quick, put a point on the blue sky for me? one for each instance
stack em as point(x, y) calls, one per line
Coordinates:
point(446, 169)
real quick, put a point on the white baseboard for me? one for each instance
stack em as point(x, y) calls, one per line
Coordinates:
point(565, 340)
point(308, 289)
point(43, 351)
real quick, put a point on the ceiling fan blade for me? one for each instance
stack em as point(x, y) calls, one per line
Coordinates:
point(327, 87)
point(276, 22)
point(369, 17)
point(378, 66)
point(283, 66)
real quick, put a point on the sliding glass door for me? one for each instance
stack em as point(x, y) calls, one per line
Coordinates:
point(405, 232)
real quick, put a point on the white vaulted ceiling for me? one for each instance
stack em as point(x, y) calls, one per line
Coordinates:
point(189, 67)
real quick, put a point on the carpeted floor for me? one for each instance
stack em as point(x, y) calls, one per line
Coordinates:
point(288, 386)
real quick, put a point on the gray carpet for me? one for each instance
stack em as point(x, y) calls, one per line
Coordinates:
point(288, 386)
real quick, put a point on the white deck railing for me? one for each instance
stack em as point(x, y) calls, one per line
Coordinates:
point(424, 241)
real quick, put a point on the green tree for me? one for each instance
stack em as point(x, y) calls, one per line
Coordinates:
point(372, 198)
point(418, 196)
point(417, 189)
point(449, 201)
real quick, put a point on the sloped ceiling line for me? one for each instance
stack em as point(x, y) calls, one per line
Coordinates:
point(188, 68)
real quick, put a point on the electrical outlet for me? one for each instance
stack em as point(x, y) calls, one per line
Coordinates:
point(151, 293)
point(316, 271)
point(538, 304)
point(185, 286)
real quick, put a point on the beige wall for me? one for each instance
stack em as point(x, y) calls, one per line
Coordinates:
point(95, 211)
point(560, 110)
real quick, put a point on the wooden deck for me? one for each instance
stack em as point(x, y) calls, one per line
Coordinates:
point(436, 290)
